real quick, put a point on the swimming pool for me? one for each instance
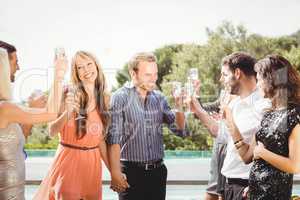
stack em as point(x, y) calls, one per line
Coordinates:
point(169, 154)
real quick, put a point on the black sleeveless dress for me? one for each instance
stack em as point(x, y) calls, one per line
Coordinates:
point(267, 182)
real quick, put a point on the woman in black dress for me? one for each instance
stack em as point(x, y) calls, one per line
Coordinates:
point(275, 148)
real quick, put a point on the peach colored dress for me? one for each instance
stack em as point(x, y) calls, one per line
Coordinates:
point(75, 174)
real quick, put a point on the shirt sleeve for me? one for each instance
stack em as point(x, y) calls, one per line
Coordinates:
point(247, 119)
point(115, 129)
point(169, 119)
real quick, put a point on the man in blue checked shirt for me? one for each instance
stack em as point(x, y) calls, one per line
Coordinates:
point(135, 135)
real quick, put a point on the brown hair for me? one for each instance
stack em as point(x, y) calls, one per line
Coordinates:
point(9, 48)
point(140, 57)
point(102, 96)
point(244, 61)
point(281, 80)
point(5, 92)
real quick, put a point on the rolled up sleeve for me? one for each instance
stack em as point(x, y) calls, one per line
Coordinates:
point(169, 119)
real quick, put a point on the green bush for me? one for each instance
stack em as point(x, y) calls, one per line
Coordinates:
point(40, 139)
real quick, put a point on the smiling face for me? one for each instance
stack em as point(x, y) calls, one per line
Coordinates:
point(145, 76)
point(86, 69)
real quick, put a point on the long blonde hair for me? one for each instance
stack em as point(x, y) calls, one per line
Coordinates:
point(5, 92)
point(101, 94)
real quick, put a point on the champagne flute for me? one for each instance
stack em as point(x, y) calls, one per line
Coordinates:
point(177, 94)
point(72, 91)
point(193, 76)
point(176, 89)
point(224, 100)
point(60, 53)
point(224, 97)
point(188, 95)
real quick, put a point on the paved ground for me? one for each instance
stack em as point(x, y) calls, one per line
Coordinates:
point(178, 169)
point(192, 169)
point(186, 192)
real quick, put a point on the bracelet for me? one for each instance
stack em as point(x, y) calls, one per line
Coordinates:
point(238, 141)
point(239, 145)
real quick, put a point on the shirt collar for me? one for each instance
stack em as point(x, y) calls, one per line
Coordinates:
point(130, 85)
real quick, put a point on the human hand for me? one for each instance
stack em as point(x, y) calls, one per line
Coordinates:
point(37, 100)
point(61, 65)
point(258, 150)
point(119, 182)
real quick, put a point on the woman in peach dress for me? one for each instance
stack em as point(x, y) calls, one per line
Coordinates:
point(77, 168)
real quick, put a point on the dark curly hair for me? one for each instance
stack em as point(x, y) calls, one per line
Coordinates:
point(8, 47)
point(242, 60)
point(281, 80)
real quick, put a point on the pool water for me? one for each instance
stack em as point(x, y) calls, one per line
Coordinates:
point(168, 154)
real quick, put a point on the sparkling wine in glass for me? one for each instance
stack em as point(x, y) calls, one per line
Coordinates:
point(193, 74)
point(224, 100)
point(60, 52)
point(188, 94)
point(176, 89)
point(72, 91)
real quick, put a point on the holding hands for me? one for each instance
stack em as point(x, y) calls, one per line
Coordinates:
point(119, 182)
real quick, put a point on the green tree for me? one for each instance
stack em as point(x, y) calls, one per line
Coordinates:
point(175, 60)
point(294, 57)
point(296, 35)
point(222, 41)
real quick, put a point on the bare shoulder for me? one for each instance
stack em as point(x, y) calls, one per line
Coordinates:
point(296, 132)
point(6, 110)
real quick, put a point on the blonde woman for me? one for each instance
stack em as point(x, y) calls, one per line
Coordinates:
point(12, 165)
point(76, 171)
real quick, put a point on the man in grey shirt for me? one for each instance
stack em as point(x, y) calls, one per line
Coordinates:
point(135, 135)
point(216, 181)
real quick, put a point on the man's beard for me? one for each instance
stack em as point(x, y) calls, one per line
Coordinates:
point(234, 87)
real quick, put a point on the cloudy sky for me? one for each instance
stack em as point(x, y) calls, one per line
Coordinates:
point(114, 30)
